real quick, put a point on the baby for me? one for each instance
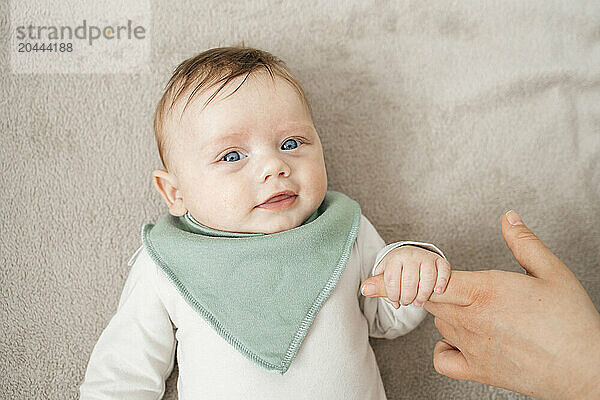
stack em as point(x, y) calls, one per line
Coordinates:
point(255, 279)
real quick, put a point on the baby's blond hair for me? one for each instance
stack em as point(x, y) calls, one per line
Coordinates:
point(205, 70)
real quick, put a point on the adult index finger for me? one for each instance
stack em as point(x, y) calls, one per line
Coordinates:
point(461, 288)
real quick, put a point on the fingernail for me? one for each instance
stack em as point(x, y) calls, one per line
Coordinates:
point(368, 289)
point(514, 218)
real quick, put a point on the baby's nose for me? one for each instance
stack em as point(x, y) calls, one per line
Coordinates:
point(276, 167)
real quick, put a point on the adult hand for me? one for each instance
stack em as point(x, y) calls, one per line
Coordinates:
point(537, 334)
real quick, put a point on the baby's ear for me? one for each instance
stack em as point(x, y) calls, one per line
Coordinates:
point(166, 185)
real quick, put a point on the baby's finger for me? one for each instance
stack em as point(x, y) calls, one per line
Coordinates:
point(443, 275)
point(391, 277)
point(410, 280)
point(427, 277)
point(395, 304)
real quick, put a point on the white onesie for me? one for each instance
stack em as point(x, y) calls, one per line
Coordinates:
point(135, 353)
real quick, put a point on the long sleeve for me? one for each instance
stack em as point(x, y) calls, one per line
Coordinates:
point(135, 353)
point(384, 320)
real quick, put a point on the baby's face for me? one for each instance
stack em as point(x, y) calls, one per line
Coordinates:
point(240, 150)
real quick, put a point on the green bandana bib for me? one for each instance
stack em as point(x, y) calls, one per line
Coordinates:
point(260, 292)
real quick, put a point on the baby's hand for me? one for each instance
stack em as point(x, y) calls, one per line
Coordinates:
point(408, 272)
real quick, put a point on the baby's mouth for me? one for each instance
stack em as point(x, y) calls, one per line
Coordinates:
point(278, 198)
point(281, 196)
point(279, 202)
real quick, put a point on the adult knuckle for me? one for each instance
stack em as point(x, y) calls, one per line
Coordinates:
point(482, 296)
point(484, 291)
point(526, 235)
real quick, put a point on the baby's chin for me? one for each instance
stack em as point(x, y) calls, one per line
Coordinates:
point(265, 224)
point(269, 227)
point(268, 232)
point(275, 222)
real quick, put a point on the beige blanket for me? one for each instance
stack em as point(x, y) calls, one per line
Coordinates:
point(437, 117)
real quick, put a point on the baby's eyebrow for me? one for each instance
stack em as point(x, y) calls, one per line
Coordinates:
point(228, 138)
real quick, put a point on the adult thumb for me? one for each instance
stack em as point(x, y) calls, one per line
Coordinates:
point(449, 361)
point(528, 250)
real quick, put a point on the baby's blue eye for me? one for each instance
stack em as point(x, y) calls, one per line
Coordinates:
point(289, 144)
point(288, 141)
point(232, 158)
